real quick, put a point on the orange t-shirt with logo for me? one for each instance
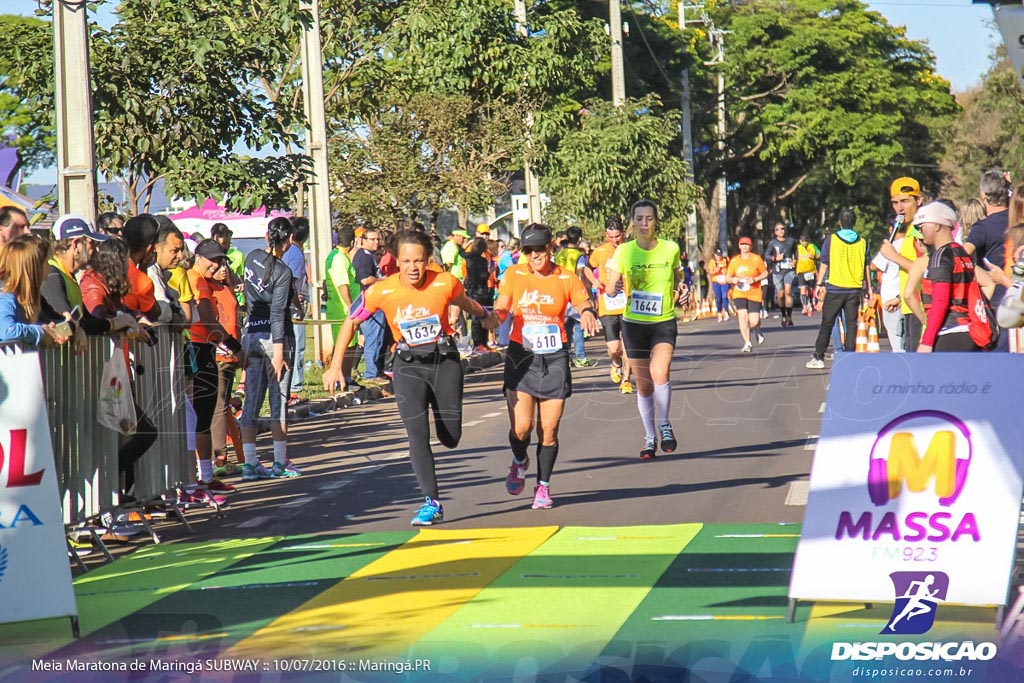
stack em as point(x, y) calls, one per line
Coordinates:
point(753, 266)
point(599, 258)
point(541, 299)
point(417, 314)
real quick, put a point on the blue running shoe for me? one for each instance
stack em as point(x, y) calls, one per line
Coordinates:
point(280, 471)
point(255, 472)
point(430, 513)
point(668, 438)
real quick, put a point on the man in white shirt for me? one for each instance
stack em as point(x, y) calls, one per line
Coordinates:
point(891, 296)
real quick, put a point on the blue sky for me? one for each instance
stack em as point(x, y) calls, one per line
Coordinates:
point(957, 31)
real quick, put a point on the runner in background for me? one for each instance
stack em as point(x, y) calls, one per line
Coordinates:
point(610, 307)
point(428, 371)
point(718, 272)
point(807, 256)
point(781, 253)
point(649, 268)
point(536, 294)
point(746, 272)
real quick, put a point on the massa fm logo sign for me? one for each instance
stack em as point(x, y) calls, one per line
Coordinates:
point(898, 469)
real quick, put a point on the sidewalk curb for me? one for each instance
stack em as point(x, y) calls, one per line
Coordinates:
point(362, 395)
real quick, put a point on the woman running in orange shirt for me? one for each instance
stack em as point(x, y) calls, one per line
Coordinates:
point(428, 369)
point(746, 272)
point(535, 293)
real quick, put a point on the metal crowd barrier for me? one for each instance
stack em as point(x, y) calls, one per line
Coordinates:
point(85, 451)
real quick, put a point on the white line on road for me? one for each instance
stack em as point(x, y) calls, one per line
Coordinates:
point(822, 408)
point(474, 423)
point(255, 522)
point(494, 414)
point(335, 485)
point(812, 442)
point(298, 502)
point(798, 493)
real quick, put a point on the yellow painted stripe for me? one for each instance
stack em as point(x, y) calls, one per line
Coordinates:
point(391, 603)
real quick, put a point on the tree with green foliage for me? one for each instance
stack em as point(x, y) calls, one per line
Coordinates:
point(988, 133)
point(616, 156)
point(455, 81)
point(20, 122)
point(173, 103)
point(827, 103)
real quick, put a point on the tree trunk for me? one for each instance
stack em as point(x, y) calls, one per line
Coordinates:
point(708, 211)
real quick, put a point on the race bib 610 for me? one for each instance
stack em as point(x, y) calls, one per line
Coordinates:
point(542, 338)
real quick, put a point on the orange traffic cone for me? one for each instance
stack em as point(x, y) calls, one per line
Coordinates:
point(873, 346)
point(862, 336)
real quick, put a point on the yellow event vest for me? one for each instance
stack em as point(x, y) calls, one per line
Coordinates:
point(846, 263)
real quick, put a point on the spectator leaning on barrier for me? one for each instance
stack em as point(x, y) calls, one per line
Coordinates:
point(267, 343)
point(170, 250)
point(13, 223)
point(103, 286)
point(295, 259)
point(205, 336)
point(22, 271)
point(140, 234)
point(75, 241)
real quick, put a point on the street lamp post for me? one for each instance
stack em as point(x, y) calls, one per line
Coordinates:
point(316, 147)
point(76, 161)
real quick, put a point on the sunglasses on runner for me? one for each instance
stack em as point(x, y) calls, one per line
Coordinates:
point(533, 250)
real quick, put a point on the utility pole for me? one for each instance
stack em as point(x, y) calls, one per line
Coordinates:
point(76, 160)
point(532, 184)
point(316, 147)
point(615, 30)
point(692, 248)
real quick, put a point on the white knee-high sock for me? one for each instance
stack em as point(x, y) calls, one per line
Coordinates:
point(663, 401)
point(646, 407)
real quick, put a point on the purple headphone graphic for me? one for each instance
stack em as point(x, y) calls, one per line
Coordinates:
point(878, 470)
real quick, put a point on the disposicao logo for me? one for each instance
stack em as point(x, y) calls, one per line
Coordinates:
point(917, 595)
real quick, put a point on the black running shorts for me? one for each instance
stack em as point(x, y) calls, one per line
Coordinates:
point(612, 325)
point(640, 338)
point(748, 305)
point(543, 376)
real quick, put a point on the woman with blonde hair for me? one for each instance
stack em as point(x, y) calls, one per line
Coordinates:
point(973, 211)
point(22, 272)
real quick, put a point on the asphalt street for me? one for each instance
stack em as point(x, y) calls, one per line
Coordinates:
point(746, 425)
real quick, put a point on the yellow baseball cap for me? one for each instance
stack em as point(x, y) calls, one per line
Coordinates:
point(905, 185)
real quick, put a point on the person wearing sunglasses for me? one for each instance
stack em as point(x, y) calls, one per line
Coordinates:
point(650, 269)
point(535, 293)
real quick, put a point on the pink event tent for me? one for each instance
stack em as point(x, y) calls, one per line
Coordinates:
point(243, 225)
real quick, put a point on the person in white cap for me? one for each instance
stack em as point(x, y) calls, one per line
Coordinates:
point(944, 289)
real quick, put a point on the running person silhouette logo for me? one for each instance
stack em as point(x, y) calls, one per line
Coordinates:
point(917, 596)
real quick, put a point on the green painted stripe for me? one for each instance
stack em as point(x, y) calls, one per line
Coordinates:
point(724, 597)
point(108, 595)
point(232, 604)
point(560, 604)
